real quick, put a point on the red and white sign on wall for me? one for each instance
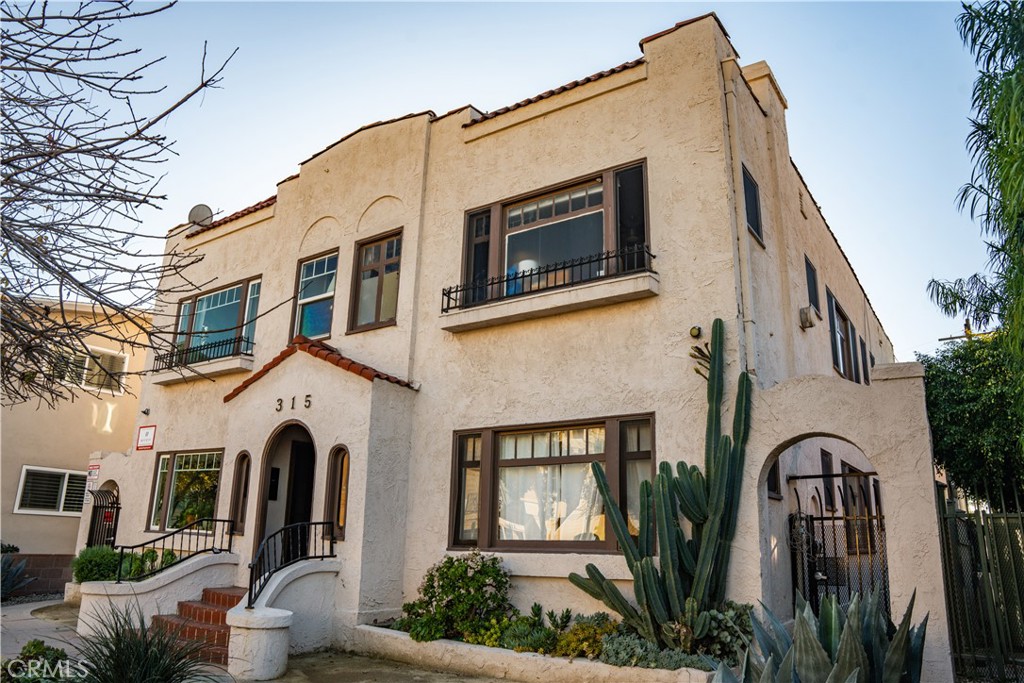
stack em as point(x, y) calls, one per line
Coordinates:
point(146, 439)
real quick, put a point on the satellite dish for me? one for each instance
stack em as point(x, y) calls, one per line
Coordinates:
point(200, 215)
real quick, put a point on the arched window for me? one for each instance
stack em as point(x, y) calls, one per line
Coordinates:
point(337, 490)
point(240, 492)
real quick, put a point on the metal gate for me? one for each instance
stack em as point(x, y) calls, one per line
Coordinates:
point(843, 551)
point(983, 572)
point(106, 511)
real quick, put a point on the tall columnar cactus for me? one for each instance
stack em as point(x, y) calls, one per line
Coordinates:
point(689, 577)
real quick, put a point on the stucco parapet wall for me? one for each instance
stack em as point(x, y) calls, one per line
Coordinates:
point(211, 368)
point(888, 371)
point(553, 302)
point(479, 660)
point(164, 578)
point(279, 581)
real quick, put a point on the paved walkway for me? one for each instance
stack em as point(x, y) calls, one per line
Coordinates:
point(54, 623)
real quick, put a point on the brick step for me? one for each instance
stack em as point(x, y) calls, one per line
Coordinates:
point(213, 634)
point(228, 596)
point(203, 612)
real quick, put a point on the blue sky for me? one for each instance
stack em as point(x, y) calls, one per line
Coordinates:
point(879, 96)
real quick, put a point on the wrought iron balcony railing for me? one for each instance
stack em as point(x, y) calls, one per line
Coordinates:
point(286, 546)
point(198, 353)
point(206, 535)
point(607, 264)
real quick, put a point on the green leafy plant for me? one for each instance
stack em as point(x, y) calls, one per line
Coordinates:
point(492, 634)
point(50, 659)
point(12, 576)
point(674, 593)
point(583, 638)
point(531, 634)
point(98, 563)
point(729, 632)
point(8, 548)
point(122, 648)
point(624, 648)
point(459, 595)
point(856, 645)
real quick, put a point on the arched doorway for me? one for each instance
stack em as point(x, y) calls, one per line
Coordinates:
point(288, 475)
point(822, 524)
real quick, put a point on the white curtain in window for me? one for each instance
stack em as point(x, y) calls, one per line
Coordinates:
point(549, 503)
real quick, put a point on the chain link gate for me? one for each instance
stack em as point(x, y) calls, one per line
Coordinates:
point(983, 572)
point(106, 511)
point(844, 552)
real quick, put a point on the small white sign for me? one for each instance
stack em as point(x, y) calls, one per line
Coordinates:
point(94, 472)
point(147, 437)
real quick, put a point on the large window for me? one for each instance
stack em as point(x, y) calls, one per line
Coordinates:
point(845, 356)
point(218, 324)
point(314, 308)
point(558, 237)
point(375, 293)
point(185, 488)
point(533, 488)
point(98, 370)
point(752, 202)
point(48, 491)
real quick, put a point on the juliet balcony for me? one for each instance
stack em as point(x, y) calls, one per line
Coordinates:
point(208, 359)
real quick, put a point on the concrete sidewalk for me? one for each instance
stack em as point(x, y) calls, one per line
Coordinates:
point(54, 624)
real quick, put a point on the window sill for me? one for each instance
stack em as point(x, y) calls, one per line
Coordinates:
point(553, 302)
point(47, 513)
point(210, 368)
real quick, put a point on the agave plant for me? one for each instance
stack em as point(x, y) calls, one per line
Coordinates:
point(12, 576)
point(856, 645)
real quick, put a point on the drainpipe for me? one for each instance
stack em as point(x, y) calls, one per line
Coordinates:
point(741, 244)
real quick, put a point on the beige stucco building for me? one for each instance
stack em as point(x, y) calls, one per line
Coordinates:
point(46, 451)
point(490, 301)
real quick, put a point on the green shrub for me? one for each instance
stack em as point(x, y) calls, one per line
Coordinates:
point(628, 649)
point(459, 596)
point(35, 651)
point(122, 649)
point(491, 636)
point(728, 634)
point(526, 635)
point(12, 576)
point(98, 563)
point(583, 638)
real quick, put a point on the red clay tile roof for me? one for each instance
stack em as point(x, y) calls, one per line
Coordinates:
point(320, 350)
point(269, 201)
point(568, 86)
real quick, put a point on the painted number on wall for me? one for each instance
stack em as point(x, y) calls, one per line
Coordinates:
point(294, 403)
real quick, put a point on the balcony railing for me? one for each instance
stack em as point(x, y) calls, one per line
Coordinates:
point(198, 353)
point(607, 264)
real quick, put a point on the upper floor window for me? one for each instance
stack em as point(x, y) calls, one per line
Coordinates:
point(218, 324)
point(812, 285)
point(375, 295)
point(49, 491)
point(845, 358)
point(752, 201)
point(589, 229)
point(98, 370)
point(534, 488)
point(314, 308)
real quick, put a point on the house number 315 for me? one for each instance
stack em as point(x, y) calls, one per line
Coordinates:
point(307, 401)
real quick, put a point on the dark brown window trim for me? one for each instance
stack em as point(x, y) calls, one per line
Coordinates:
point(170, 471)
point(336, 499)
point(498, 210)
point(357, 268)
point(194, 298)
point(293, 325)
point(240, 491)
point(488, 483)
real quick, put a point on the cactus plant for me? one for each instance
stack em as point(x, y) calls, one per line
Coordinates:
point(674, 594)
point(856, 645)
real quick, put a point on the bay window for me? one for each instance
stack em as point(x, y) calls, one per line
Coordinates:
point(534, 487)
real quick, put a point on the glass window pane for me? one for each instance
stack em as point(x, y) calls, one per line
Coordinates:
point(251, 308)
point(74, 493)
point(158, 494)
point(559, 443)
point(467, 527)
point(552, 503)
point(636, 436)
point(469, 448)
point(367, 311)
point(562, 204)
point(578, 200)
point(524, 446)
point(315, 318)
point(578, 442)
point(556, 242)
point(595, 196)
point(541, 441)
point(515, 218)
point(636, 472)
point(371, 254)
point(216, 317)
point(530, 213)
point(595, 440)
point(389, 293)
point(193, 488)
point(507, 447)
point(546, 208)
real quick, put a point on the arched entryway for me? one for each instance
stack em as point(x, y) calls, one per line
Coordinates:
point(287, 480)
point(822, 523)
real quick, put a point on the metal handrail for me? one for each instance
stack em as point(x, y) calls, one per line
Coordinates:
point(206, 535)
point(604, 265)
point(198, 353)
point(290, 544)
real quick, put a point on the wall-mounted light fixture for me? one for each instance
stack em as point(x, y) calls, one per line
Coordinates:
point(695, 331)
point(145, 411)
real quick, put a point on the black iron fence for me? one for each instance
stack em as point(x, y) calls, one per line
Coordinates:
point(106, 512)
point(197, 353)
point(606, 264)
point(143, 560)
point(290, 544)
point(983, 571)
